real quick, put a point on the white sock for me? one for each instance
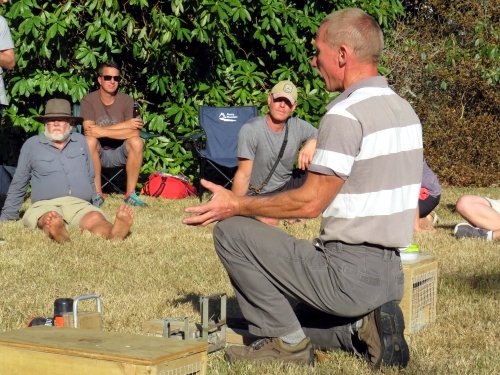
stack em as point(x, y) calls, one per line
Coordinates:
point(294, 338)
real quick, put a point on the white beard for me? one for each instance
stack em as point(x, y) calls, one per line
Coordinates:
point(59, 137)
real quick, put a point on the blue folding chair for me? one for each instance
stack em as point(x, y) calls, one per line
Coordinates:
point(218, 161)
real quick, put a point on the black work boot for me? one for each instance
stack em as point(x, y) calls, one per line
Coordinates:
point(383, 333)
point(396, 351)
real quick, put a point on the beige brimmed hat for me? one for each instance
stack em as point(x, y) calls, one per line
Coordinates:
point(285, 89)
point(58, 108)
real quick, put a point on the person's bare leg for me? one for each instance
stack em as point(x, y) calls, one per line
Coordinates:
point(135, 147)
point(94, 147)
point(96, 223)
point(419, 226)
point(268, 220)
point(478, 212)
point(295, 221)
point(52, 224)
point(426, 221)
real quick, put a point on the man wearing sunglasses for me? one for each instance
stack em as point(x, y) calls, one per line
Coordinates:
point(112, 132)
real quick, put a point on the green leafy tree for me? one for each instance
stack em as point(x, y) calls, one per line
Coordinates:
point(176, 55)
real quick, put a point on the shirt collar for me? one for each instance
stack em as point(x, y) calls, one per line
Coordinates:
point(377, 81)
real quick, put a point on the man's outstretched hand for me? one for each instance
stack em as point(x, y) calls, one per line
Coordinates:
point(223, 205)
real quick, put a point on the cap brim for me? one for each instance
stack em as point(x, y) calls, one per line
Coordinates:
point(284, 95)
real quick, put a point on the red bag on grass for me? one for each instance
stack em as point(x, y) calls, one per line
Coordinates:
point(168, 186)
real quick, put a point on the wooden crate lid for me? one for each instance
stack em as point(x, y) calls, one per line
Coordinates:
point(110, 346)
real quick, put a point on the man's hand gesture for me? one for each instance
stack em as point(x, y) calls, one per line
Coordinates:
point(223, 205)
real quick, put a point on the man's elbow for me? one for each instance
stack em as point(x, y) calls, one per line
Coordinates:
point(311, 210)
point(8, 59)
point(11, 64)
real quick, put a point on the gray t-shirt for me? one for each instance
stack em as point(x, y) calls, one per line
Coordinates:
point(430, 181)
point(5, 43)
point(257, 142)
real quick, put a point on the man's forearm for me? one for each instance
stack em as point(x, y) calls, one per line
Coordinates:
point(120, 134)
point(286, 205)
point(240, 185)
point(13, 203)
point(308, 201)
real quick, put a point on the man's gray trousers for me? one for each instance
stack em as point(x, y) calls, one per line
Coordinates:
point(344, 281)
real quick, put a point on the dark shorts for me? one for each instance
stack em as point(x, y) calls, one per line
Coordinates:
point(114, 157)
point(427, 205)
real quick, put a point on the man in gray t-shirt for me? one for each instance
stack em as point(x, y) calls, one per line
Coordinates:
point(261, 169)
point(7, 61)
point(7, 57)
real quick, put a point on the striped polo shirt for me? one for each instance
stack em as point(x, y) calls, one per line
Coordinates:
point(372, 139)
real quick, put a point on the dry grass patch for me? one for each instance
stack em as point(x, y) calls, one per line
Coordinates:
point(163, 267)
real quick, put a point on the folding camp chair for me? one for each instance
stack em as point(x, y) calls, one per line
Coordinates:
point(115, 172)
point(218, 161)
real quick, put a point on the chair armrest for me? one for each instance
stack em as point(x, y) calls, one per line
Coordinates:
point(146, 136)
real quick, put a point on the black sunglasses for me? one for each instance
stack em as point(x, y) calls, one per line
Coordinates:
point(115, 78)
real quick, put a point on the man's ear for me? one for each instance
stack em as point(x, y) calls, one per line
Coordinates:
point(343, 52)
point(269, 99)
point(294, 106)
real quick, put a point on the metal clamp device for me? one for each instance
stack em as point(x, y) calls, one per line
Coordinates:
point(81, 298)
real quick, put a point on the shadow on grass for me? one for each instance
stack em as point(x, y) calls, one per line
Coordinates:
point(488, 283)
point(451, 207)
point(446, 226)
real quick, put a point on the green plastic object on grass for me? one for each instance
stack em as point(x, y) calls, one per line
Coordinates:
point(412, 249)
point(410, 253)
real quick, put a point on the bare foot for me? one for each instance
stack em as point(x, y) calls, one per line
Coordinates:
point(422, 230)
point(268, 220)
point(123, 222)
point(53, 226)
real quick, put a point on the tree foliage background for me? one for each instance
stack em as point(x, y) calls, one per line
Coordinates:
point(179, 54)
point(176, 55)
point(444, 58)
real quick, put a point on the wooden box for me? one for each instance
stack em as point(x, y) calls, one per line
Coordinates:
point(86, 320)
point(420, 292)
point(57, 351)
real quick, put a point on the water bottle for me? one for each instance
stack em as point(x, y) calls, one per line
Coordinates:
point(136, 113)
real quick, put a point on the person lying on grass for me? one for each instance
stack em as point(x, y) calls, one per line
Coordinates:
point(61, 172)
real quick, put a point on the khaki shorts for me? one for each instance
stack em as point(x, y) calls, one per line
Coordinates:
point(71, 210)
point(495, 204)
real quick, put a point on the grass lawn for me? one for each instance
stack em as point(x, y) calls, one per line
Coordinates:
point(163, 267)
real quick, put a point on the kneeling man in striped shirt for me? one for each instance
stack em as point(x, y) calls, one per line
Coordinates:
point(365, 180)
